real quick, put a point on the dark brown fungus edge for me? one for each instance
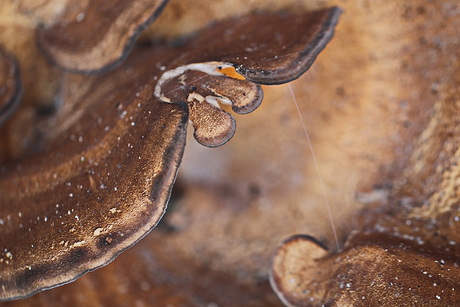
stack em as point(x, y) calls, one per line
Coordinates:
point(263, 48)
point(299, 252)
point(10, 85)
point(79, 40)
point(101, 183)
point(112, 150)
point(203, 86)
point(374, 269)
point(281, 50)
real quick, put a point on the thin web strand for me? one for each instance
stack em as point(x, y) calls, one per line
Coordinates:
point(323, 188)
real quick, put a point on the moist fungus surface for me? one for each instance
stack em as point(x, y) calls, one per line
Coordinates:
point(110, 154)
point(374, 269)
point(405, 248)
point(91, 36)
point(389, 80)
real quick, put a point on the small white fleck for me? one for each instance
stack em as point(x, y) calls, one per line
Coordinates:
point(80, 17)
point(76, 244)
point(438, 297)
point(97, 231)
point(70, 194)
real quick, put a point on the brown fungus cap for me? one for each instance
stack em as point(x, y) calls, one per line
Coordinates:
point(405, 250)
point(100, 184)
point(263, 48)
point(203, 92)
point(268, 48)
point(112, 151)
point(375, 270)
point(10, 85)
point(92, 36)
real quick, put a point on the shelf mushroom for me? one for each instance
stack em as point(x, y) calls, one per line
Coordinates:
point(112, 151)
point(91, 36)
point(404, 251)
point(374, 269)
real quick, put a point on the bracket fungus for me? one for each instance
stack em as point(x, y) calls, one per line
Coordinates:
point(275, 53)
point(91, 36)
point(373, 269)
point(405, 250)
point(203, 86)
point(10, 86)
point(111, 152)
